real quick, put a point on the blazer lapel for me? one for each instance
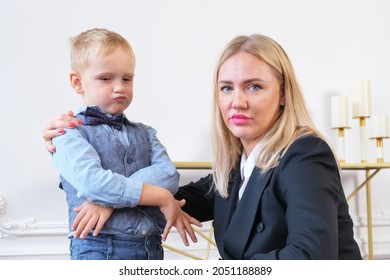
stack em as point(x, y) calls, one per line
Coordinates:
point(229, 205)
point(241, 224)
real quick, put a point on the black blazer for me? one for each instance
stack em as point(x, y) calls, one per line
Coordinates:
point(297, 210)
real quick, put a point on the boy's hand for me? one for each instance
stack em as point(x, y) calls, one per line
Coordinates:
point(179, 219)
point(90, 215)
point(171, 208)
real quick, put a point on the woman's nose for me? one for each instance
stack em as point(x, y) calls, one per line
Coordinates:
point(239, 100)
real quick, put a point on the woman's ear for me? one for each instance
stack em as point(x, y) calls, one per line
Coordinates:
point(75, 82)
point(281, 101)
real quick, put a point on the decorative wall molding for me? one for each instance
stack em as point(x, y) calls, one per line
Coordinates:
point(382, 219)
point(27, 227)
point(2, 204)
point(30, 228)
point(11, 230)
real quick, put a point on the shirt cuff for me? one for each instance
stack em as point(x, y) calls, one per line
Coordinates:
point(131, 193)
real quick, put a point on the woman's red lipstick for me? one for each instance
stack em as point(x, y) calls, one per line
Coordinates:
point(239, 119)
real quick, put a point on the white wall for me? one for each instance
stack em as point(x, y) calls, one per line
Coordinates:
point(331, 44)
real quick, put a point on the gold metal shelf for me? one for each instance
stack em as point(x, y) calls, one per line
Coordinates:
point(209, 239)
point(367, 167)
point(364, 166)
point(193, 165)
point(345, 166)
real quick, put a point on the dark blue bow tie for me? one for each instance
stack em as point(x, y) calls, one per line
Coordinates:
point(95, 117)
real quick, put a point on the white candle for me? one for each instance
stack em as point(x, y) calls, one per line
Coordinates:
point(379, 126)
point(362, 99)
point(339, 112)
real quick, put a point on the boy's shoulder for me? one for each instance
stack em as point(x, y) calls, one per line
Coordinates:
point(147, 129)
point(127, 122)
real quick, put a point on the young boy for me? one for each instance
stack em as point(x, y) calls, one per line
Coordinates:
point(110, 162)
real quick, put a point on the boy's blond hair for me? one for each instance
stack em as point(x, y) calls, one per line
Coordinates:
point(96, 42)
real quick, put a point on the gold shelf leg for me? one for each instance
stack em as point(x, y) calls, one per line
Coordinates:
point(369, 217)
point(211, 233)
point(349, 197)
point(182, 252)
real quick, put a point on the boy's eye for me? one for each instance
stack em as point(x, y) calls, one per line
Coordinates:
point(104, 78)
point(127, 79)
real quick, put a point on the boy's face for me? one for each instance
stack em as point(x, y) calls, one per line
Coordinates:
point(107, 82)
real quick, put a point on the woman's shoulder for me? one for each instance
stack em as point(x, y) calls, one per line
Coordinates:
point(308, 144)
point(311, 139)
point(308, 153)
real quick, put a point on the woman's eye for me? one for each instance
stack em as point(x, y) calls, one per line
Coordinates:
point(226, 89)
point(254, 88)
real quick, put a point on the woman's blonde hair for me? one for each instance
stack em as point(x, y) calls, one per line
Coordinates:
point(293, 119)
point(96, 42)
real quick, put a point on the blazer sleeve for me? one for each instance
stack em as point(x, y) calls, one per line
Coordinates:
point(310, 188)
point(199, 198)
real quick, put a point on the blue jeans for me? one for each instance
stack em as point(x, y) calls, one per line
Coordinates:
point(111, 247)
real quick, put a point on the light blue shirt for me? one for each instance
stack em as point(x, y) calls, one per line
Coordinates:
point(89, 171)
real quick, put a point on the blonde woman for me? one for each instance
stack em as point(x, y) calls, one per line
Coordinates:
point(276, 185)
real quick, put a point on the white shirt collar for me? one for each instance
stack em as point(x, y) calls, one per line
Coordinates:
point(247, 165)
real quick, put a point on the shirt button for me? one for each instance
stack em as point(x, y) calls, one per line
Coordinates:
point(260, 227)
point(129, 160)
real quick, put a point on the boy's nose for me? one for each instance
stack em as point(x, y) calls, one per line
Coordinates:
point(117, 87)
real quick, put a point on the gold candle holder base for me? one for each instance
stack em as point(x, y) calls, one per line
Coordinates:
point(363, 144)
point(379, 146)
point(379, 149)
point(341, 144)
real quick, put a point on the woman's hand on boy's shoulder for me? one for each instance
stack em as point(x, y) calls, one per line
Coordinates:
point(55, 127)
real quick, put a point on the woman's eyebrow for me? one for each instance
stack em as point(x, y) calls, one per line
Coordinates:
point(246, 81)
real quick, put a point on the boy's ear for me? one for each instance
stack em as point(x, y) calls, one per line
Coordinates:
point(75, 82)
